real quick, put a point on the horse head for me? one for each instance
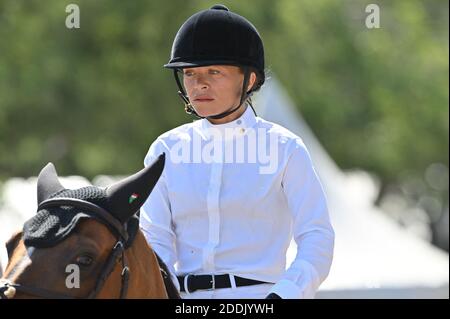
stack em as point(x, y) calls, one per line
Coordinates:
point(86, 243)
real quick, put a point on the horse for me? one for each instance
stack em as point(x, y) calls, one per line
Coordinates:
point(86, 243)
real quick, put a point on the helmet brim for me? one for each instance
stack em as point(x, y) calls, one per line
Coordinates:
point(193, 64)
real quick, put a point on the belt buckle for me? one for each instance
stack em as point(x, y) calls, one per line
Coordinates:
point(213, 283)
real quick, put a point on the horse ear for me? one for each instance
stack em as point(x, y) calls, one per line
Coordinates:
point(47, 183)
point(126, 197)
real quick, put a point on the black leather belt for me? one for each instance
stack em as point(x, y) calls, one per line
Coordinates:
point(209, 282)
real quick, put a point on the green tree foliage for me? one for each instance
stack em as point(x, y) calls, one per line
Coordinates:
point(93, 99)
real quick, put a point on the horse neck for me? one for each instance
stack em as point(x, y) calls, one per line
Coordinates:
point(145, 279)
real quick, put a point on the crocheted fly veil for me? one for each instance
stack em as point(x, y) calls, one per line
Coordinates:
point(122, 200)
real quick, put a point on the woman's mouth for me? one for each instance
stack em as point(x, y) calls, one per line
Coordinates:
point(203, 99)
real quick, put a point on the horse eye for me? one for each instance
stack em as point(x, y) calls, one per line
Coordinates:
point(84, 260)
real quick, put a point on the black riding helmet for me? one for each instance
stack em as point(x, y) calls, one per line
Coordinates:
point(218, 36)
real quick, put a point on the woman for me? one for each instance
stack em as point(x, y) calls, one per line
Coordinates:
point(235, 187)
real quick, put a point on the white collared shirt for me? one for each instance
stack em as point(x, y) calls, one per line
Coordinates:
point(229, 200)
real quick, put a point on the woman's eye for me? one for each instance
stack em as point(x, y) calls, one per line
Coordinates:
point(84, 260)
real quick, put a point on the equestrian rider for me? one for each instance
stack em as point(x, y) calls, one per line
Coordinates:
point(222, 215)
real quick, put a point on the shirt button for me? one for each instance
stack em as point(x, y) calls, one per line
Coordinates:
point(242, 130)
point(239, 122)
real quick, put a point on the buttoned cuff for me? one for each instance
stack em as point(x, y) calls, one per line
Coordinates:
point(287, 289)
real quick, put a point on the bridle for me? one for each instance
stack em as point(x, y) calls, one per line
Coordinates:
point(8, 289)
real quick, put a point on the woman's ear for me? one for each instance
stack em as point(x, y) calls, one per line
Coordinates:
point(251, 81)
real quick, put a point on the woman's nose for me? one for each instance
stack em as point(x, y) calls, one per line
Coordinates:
point(201, 82)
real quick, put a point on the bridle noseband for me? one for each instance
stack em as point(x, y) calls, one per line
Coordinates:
point(9, 289)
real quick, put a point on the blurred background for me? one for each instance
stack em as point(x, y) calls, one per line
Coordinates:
point(372, 105)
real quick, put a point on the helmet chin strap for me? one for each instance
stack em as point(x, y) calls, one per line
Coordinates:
point(189, 108)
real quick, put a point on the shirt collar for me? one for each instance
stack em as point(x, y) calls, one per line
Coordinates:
point(239, 125)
